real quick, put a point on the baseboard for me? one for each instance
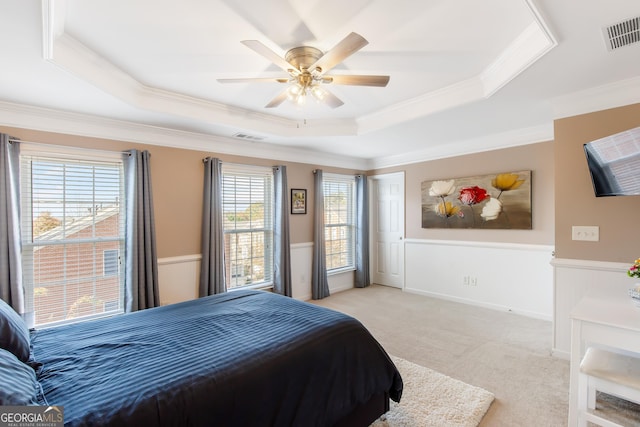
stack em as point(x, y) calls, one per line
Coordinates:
point(565, 355)
point(540, 316)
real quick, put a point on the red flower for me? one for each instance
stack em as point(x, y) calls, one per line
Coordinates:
point(472, 195)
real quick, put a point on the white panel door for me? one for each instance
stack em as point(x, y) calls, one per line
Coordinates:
point(387, 229)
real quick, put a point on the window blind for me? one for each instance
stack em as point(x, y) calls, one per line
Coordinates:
point(619, 153)
point(72, 237)
point(339, 220)
point(247, 204)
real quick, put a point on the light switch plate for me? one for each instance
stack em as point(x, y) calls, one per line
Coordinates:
point(584, 232)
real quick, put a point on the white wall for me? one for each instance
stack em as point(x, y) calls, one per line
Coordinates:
point(502, 276)
point(573, 280)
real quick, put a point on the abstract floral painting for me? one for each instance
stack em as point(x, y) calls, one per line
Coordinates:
point(496, 201)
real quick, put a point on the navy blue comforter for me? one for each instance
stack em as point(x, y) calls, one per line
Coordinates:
point(244, 358)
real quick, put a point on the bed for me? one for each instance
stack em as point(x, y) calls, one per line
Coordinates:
point(243, 358)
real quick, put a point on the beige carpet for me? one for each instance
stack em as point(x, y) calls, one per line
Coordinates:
point(433, 399)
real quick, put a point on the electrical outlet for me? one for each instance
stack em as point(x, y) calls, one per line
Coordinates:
point(583, 232)
point(473, 281)
point(465, 280)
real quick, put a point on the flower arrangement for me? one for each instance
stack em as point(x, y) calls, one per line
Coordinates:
point(634, 270)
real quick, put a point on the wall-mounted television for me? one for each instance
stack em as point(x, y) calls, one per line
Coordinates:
point(614, 164)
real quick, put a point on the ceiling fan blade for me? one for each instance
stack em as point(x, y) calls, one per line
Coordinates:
point(263, 50)
point(379, 81)
point(331, 100)
point(254, 80)
point(348, 46)
point(279, 99)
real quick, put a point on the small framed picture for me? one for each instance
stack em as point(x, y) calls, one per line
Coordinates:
point(298, 201)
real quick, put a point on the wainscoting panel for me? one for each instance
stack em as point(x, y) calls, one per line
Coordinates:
point(574, 279)
point(301, 257)
point(524, 279)
point(178, 278)
point(503, 276)
point(301, 267)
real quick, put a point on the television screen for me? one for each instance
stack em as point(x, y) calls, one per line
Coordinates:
point(614, 164)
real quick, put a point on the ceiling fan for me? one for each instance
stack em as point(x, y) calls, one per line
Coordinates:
point(308, 67)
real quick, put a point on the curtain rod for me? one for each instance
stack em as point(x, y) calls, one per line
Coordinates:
point(66, 147)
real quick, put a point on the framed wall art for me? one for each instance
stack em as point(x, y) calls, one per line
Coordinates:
point(298, 201)
point(495, 201)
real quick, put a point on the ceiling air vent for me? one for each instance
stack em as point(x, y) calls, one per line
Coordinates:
point(622, 34)
point(248, 137)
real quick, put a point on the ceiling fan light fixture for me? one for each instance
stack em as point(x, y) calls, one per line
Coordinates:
point(307, 67)
point(295, 90)
point(296, 93)
point(318, 93)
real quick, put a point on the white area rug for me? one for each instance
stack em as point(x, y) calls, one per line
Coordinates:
point(433, 399)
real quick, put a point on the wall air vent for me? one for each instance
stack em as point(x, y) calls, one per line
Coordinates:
point(622, 34)
point(240, 135)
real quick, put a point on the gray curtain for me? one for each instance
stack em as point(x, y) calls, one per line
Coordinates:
point(319, 282)
point(11, 288)
point(141, 265)
point(281, 244)
point(362, 279)
point(212, 275)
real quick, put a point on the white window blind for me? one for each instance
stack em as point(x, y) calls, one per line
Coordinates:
point(72, 237)
point(618, 156)
point(247, 204)
point(339, 221)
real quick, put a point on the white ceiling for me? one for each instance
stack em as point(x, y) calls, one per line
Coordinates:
point(465, 75)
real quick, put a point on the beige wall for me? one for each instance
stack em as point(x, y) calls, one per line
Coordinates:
point(576, 204)
point(177, 179)
point(562, 195)
point(535, 157)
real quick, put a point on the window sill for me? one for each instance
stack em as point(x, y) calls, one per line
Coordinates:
point(79, 320)
point(257, 286)
point(340, 271)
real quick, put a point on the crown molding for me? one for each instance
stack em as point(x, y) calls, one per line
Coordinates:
point(514, 138)
point(72, 55)
point(613, 95)
point(48, 120)
point(531, 44)
point(429, 103)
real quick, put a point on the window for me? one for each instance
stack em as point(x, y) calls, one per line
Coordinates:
point(247, 204)
point(339, 221)
point(110, 262)
point(72, 235)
